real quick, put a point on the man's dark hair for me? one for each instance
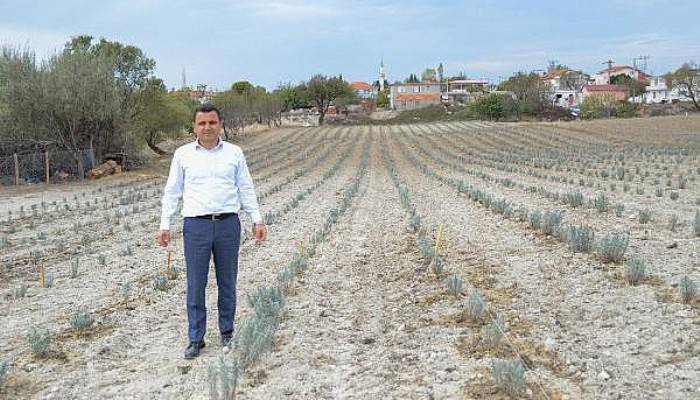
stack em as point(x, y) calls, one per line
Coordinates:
point(205, 108)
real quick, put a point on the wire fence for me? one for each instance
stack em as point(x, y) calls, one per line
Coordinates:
point(45, 167)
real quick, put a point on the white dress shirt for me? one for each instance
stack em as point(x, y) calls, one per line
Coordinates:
point(209, 182)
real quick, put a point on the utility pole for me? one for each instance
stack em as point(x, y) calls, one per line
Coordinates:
point(610, 63)
point(642, 64)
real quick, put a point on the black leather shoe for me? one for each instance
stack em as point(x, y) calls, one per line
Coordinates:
point(226, 339)
point(193, 349)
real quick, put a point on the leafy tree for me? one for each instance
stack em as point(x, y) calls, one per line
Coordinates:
point(242, 86)
point(80, 102)
point(20, 95)
point(130, 65)
point(686, 80)
point(428, 75)
point(291, 97)
point(412, 78)
point(636, 87)
point(440, 73)
point(165, 114)
point(382, 100)
point(598, 106)
point(573, 80)
point(532, 93)
point(322, 91)
point(246, 104)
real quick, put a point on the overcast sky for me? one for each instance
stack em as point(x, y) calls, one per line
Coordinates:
point(266, 42)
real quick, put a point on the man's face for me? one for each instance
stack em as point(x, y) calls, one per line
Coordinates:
point(207, 126)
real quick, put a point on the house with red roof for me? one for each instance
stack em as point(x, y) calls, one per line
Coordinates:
point(603, 77)
point(613, 92)
point(363, 90)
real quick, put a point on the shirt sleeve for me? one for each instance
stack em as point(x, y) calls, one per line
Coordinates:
point(246, 191)
point(172, 192)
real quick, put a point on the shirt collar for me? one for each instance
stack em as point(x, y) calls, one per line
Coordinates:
point(219, 145)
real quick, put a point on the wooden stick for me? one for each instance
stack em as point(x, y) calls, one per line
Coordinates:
point(437, 240)
point(46, 166)
point(16, 169)
point(42, 276)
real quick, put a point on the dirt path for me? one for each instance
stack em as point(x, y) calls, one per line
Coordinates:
point(353, 328)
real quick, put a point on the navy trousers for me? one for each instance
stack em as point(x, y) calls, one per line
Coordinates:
point(202, 238)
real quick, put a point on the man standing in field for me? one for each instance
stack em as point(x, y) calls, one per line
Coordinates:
point(212, 178)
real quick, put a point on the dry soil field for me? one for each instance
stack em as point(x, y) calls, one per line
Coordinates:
point(459, 260)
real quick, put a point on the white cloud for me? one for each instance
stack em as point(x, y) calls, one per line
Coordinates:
point(43, 42)
point(292, 9)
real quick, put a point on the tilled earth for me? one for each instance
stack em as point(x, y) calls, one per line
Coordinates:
point(369, 318)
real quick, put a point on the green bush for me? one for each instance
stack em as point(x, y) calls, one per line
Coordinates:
point(509, 376)
point(626, 110)
point(494, 107)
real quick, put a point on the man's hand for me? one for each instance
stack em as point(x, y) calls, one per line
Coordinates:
point(259, 232)
point(163, 237)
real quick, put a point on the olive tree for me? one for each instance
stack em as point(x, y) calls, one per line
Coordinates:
point(322, 91)
point(686, 80)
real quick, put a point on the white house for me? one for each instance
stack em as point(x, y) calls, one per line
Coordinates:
point(567, 86)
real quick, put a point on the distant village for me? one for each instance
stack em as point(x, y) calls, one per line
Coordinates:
point(557, 87)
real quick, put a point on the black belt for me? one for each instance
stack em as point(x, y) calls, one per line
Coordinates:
point(215, 217)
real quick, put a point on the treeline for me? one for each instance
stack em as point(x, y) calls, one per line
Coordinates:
point(245, 104)
point(103, 95)
point(96, 94)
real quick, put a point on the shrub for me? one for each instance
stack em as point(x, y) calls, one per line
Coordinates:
point(81, 320)
point(601, 203)
point(688, 289)
point(509, 376)
point(696, 223)
point(253, 336)
point(475, 304)
point(493, 107)
point(644, 216)
point(74, 268)
point(574, 199)
point(20, 291)
point(48, 280)
point(436, 265)
point(4, 371)
point(454, 284)
point(580, 239)
point(522, 214)
point(674, 195)
point(619, 209)
point(612, 248)
point(673, 223)
point(635, 270)
point(425, 247)
point(494, 331)
point(39, 341)
point(160, 282)
point(125, 291)
point(223, 379)
point(552, 220)
point(267, 302)
point(534, 219)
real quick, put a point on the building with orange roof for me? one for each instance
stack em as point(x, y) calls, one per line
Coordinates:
point(363, 90)
point(614, 92)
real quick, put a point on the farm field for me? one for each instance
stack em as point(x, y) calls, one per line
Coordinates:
point(420, 261)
